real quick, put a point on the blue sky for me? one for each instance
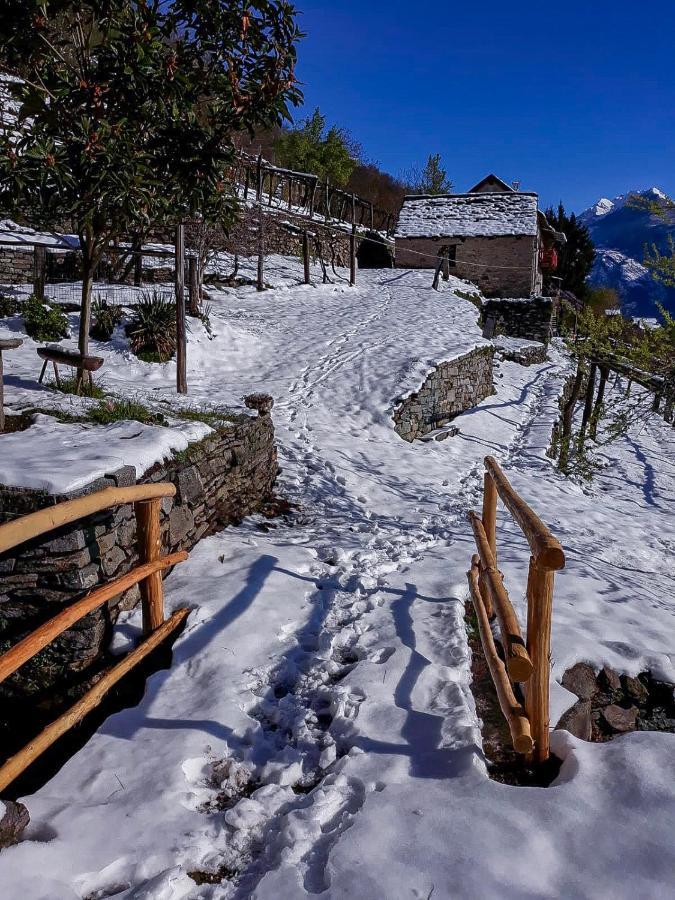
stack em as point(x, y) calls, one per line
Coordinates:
point(575, 99)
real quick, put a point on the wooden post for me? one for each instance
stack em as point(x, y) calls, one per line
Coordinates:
point(327, 201)
point(261, 252)
point(446, 264)
point(312, 200)
point(353, 209)
point(193, 286)
point(490, 512)
point(10, 344)
point(539, 612)
point(181, 333)
point(352, 256)
point(590, 392)
point(372, 217)
point(149, 549)
point(437, 274)
point(39, 271)
point(305, 255)
point(259, 180)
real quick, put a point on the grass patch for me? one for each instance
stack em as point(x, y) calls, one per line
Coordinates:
point(69, 386)
point(216, 418)
point(120, 410)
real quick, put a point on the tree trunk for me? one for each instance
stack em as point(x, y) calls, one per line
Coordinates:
point(597, 409)
point(588, 405)
point(568, 416)
point(90, 260)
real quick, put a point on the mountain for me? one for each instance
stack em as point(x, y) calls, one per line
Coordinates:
point(620, 232)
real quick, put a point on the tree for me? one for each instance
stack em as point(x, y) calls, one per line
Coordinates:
point(432, 179)
point(329, 153)
point(128, 110)
point(578, 254)
point(661, 265)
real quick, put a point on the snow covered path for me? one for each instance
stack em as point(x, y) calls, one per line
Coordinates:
point(316, 734)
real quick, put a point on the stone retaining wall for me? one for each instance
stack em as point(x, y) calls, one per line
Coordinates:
point(228, 475)
point(16, 265)
point(527, 318)
point(450, 389)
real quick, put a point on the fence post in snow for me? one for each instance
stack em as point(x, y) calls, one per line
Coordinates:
point(259, 180)
point(181, 337)
point(437, 275)
point(261, 251)
point(39, 271)
point(352, 256)
point(305, 255)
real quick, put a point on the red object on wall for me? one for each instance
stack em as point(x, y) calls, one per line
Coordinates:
point(548, 259)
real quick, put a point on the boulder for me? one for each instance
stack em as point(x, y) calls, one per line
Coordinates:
point(577, 720)
point(635, 689)
point(620, 719)
point(13, 819)
point(580, 680)
point(609, 679)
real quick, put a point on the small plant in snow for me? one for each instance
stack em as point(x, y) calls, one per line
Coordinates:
point(43, 321)
point(105, 318)
point(152, 330)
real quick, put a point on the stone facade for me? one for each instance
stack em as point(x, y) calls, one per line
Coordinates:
point(228, 475)
point(500, 266)
point(527, 318)
point(450, 389)
point(16, 265)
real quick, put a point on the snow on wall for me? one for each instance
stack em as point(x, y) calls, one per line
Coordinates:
point(468, 215)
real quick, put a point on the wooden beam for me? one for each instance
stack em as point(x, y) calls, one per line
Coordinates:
point(39, 270)
point(518, 662)
point(149, 550)
point(537, 693)
point(12, 534)
point(490, 512)
point(18, 763)
point(545, 547)
point(37, 640)
point(512, 709)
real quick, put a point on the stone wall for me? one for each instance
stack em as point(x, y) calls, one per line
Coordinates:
point(16, 265)
point(228, 475)
point(527, 318)
point(485, 261)
point(450, 389)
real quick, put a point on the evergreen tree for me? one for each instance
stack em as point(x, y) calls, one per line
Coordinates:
point(578, 253)
point(129, 109)
point(311, 147)
point(432, 179)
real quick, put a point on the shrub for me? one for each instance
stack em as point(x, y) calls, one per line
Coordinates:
point(43, 321)
point(104, 319)
point(152, 330)
point(9, 306)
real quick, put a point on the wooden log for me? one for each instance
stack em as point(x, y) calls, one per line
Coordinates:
point(305, 256)
point(485, 593)
point(539, 614)
point(181, 330)
point(12, 534)
point(36, 641)
point(490, 512)
point(518, 662)
point(16, 764)
point(149, 550)
point(512, 709)
point(70, 358)
point(544, 546)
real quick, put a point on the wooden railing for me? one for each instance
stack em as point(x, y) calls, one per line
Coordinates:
point(528, 663)
point(147, 501)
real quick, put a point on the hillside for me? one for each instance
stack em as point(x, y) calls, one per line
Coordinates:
point(620, 232)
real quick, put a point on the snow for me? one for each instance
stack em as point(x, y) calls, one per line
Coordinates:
point(468, 215)
point(65, 457)
point(316, 733)
point(25, 237)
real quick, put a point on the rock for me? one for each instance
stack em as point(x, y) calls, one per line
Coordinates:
point(14, 819)
point(580, 680)
point(635, 689)
point(620, 719)
point(577, 720)
point(609, 679)
point(263, 403)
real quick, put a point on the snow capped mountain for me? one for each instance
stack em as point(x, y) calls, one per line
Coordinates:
point(620, 232)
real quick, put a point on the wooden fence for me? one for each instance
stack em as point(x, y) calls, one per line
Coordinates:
point(528, 664)
point(147, 499)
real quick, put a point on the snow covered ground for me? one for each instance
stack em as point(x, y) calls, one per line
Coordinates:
point(316, 734)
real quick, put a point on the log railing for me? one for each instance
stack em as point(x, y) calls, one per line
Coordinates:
point(147, 501)
point(528, 663)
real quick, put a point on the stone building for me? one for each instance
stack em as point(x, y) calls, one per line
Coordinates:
point(495, 235)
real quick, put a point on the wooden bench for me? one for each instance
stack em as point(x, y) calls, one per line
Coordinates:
point(59, 356)
point(7, 344)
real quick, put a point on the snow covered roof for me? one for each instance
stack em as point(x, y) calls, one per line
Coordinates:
point(468, 215)
point(25, 236)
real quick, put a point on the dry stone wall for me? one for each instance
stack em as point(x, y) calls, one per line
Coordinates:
point(450, 389)
point(526, 318)
point(219, 480)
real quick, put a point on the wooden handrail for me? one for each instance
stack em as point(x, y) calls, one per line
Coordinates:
point(16, 764)
point(36, 641)
point(546, 549)
point(518, 661)
point(12, 534)
point(514, 713)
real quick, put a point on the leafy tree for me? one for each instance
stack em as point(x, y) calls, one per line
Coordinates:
point(432, 179)
point(578, 254)
point(661, 265)
point(312, 147)
point(129, 109)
